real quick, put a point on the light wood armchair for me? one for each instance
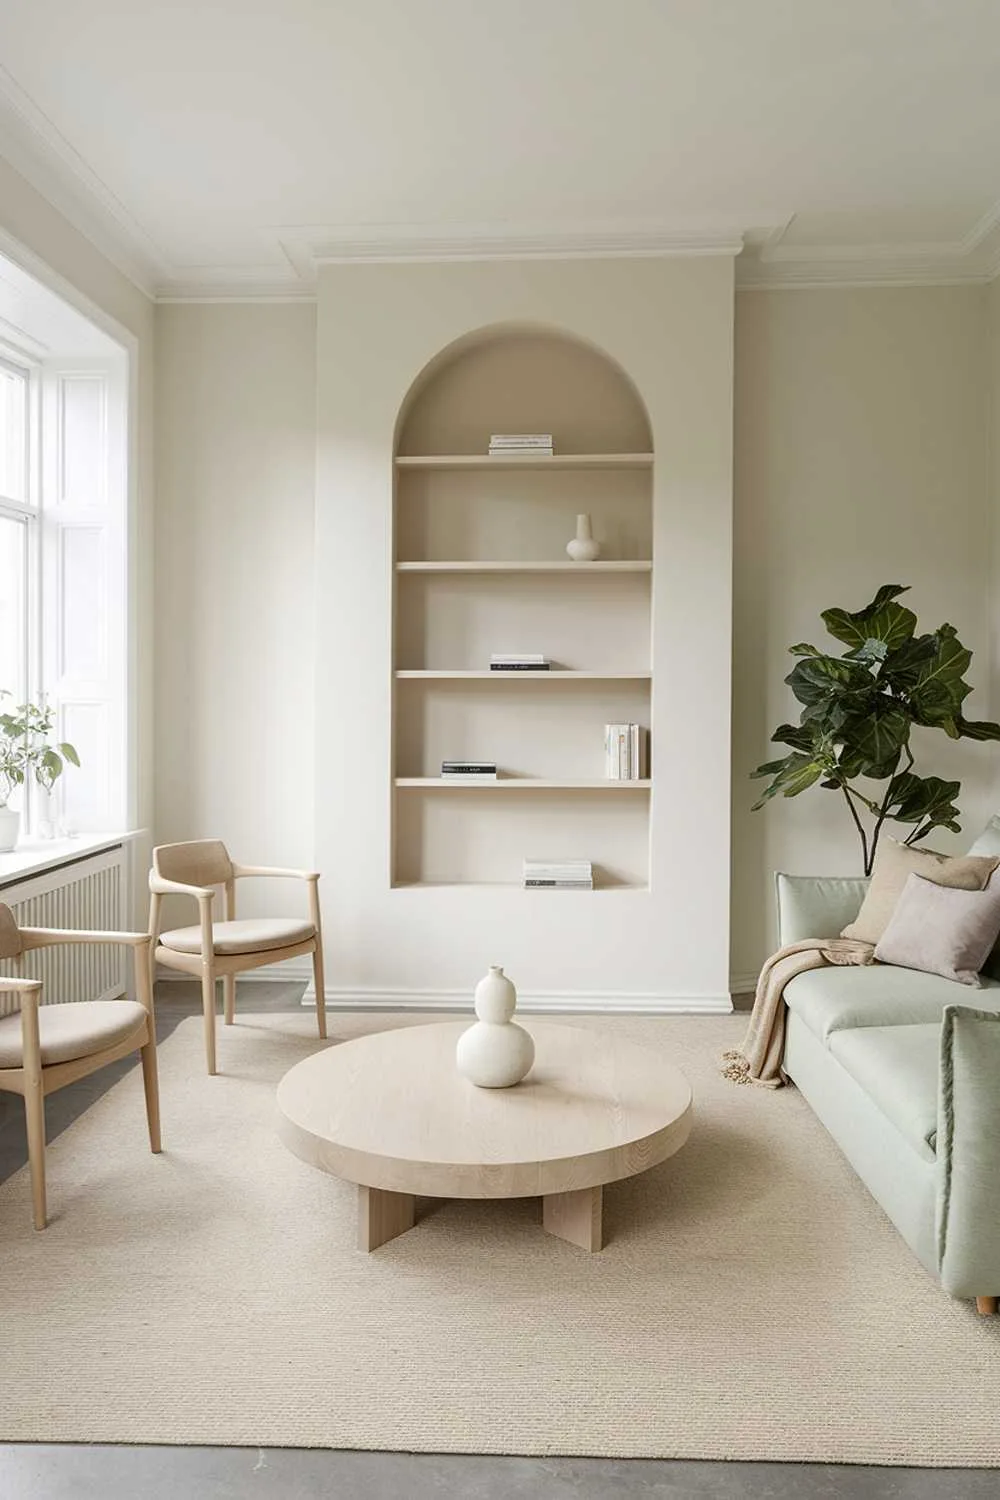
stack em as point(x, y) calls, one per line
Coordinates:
point(46, 1047)
point(221, 950)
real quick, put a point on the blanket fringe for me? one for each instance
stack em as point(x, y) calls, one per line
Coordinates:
point(736, 1069)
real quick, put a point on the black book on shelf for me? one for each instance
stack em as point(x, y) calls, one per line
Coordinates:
point(519, 666)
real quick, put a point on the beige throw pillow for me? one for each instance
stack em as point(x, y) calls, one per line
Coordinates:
point(941, 930)
point(894, 863)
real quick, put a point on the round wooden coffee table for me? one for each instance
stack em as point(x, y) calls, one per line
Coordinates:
point(392, 1113)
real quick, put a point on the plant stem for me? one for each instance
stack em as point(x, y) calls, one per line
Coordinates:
point(859, 826)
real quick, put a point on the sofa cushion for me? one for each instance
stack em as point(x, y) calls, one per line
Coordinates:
point(897, 1066)
point(839, 999)
point(988, 842)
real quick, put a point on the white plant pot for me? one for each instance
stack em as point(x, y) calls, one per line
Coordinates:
point(10, 827)
point(495, 1053)
point(583, 548)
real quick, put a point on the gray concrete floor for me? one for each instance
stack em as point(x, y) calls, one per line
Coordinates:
point(75, 1472)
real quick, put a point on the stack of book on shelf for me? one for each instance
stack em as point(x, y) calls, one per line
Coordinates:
point(502, 661)
point(523, 444)
point(468, 770)
point(625, 752)
point(558, 875)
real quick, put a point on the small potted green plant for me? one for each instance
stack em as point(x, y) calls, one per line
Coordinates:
point(26, 750)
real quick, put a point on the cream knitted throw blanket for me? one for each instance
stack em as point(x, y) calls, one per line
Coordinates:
point(759, 1059)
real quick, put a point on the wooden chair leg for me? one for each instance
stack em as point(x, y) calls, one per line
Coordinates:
point(208, 1005)
point(319, 984)
point(987, 1306)
point(229, 998)
point(34, 1113)
point(150, 1084)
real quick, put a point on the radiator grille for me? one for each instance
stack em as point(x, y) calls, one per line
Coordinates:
point(86, 895)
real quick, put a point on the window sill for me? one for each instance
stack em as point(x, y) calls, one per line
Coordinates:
point(34, 856)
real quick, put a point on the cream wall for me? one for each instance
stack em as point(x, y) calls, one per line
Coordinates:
point(861, 458)
point(235, 470)
point(669, 325)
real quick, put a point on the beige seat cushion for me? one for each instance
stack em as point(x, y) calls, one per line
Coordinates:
point(70, 1031)
point(241, 937)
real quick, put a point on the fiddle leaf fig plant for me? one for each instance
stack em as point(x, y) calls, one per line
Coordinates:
point(858, 709)
point(26, 748)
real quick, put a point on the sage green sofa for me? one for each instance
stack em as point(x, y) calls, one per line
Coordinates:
point(903, 1069)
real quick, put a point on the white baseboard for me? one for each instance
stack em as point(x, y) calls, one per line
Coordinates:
point(364, 997)
point(568, 1001)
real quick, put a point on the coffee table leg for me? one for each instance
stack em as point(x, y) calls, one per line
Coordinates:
point(382, 1216)
point(576, 1217)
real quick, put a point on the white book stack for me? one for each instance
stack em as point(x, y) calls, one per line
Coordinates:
point(512, 661)
point(625, 752)
point(521, 444)
point(558, 875)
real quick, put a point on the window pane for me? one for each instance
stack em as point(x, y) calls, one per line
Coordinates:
point(13, 605)
point(13, 434)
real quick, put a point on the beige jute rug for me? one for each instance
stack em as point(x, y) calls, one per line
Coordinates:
point(752, 1302)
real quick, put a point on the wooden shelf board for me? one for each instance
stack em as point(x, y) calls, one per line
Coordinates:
point(525, 461)
point(622, 565)
point(523, 783)
point(514, 885)
point(554, 675)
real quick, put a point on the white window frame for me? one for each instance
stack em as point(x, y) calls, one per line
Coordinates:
point(28, 513)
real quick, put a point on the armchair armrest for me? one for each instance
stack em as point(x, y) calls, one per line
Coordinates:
point(968, 1153)
point(18, 986)
point(160, 886)
point(243, 870)
point(42, 937)
point(816, 906)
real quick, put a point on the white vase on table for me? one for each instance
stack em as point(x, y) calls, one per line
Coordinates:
point(583, 548)
point(495, 1053)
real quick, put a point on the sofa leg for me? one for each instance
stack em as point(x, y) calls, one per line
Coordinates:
point(986, 1306)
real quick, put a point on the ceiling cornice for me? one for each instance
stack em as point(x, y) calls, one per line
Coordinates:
point(311, 247)
point(770, 262)
point(34, 147)
point(764, 257)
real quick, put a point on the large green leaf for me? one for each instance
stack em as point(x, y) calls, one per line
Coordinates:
point(913, 798)
point(791, 776)
point(877, 738)
point(819, 680)
point(882, 620)
point(978, 729)
point(938, 690)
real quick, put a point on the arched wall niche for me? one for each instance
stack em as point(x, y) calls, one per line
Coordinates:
point(519, 377)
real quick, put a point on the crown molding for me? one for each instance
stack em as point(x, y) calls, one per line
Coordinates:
point(37, 150)
point(972, 260)
point(310, 247)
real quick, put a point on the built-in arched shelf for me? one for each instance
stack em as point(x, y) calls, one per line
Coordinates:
point(480, 566)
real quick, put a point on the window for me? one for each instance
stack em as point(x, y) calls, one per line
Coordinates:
point(17, 517)
point(63, 573)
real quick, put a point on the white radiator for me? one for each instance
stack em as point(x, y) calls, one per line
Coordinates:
point(87, 893)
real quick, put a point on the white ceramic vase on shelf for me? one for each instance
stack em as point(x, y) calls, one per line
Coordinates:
point(495, 1053)
point(10, 824)
point(583, 548)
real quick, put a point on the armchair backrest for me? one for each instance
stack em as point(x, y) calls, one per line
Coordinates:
point(202, 862)
point(11, 945)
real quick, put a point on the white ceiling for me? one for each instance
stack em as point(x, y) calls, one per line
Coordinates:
point(224, 146)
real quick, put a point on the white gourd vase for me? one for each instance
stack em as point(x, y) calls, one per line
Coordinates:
point(583, 548)
point(495, 1053)
point(10, 824)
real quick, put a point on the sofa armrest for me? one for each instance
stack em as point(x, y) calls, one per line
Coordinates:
point(815, 906)
point(968, 1152)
